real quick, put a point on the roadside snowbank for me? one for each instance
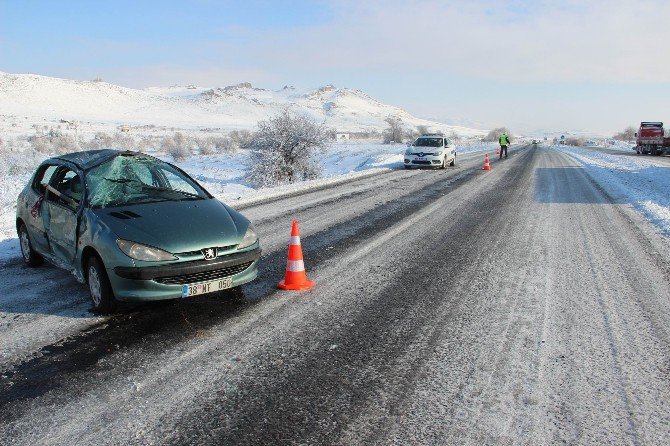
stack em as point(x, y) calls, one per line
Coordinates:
point(641, 182)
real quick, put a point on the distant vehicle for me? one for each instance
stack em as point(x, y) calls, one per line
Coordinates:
point(431, 150)
point(652, 138)
point(133, 228)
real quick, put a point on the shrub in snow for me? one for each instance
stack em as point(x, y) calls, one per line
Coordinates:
point(65, 144)
point(206, 146)
point(494, 135)
point(40, 144)
point(100, 140)
point(627, 135)
point(121, 141)
point(394, 133)
point(145, 142)
point(177, 146)
point(284, 149)
point(240, 139)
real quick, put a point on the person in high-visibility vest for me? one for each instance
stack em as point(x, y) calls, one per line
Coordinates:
point(504, 141)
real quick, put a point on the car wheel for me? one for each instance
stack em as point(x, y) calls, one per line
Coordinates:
point(453, 162)
point(99, 286)
point(30, 256)
point(654, 151)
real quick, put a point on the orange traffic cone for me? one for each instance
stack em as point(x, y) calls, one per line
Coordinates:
point(487, 163)
point(295, 278)
point(498, 151)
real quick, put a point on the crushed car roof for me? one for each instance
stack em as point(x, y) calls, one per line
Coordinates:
point(89, 158)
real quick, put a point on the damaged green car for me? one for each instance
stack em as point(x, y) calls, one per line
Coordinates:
point(134, 228)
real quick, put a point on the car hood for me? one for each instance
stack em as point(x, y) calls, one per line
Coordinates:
point(176, 226)
point(425, 150)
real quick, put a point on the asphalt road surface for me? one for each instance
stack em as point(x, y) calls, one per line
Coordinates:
point(517, 306)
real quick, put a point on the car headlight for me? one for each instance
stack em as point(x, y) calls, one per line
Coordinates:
point(142, 252)
point(437, 154)
point(249, 238)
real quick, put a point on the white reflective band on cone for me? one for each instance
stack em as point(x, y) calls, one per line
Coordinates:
point(295, 240)
point(295, 266)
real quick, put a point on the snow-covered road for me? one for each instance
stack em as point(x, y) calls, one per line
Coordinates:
point(520, 306)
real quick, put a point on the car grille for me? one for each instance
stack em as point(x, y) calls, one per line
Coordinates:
point(219, 249)
point(203, 276)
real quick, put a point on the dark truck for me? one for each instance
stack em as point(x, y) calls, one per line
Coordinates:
point(652, 138)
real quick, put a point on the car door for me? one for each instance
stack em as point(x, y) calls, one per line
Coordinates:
point(60, 212)
point(450, 149)
point(34, 199)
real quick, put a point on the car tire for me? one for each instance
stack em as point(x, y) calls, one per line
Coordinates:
point(453, 162)
point(654, 151)
point(99, 287)
point(30, 256)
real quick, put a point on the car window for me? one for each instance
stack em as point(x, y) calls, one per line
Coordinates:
point(43, 177)
point(428, 142)
point(177, 182)
point(68, 186)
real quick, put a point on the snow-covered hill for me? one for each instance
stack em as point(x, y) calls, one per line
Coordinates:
point(31, 98)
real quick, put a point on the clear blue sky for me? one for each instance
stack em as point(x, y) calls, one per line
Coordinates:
point(591, 65)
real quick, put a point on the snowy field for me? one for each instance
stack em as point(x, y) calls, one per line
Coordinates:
point(221, 175)
point(643, 182)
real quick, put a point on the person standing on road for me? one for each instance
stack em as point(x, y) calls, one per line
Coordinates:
point(504, 141)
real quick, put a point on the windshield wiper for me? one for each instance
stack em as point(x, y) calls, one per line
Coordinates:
point(168, 189)
point(143, 186)
point(119, 180)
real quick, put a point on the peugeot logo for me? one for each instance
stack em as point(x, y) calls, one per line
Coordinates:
point(209, 253)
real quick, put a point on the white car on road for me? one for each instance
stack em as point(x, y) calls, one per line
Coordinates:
point(430, 150)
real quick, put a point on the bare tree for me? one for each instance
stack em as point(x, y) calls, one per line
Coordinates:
point(494, 134)
point(394, 132)
point(627, 135)
point(574, 141)
point(422, 129)
point(284, 149)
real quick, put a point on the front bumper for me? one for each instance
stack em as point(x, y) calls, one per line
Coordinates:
point(166, 281)
point(423, 161)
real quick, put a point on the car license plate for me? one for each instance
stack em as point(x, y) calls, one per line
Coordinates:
point(421, 158)
point(206, 287)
